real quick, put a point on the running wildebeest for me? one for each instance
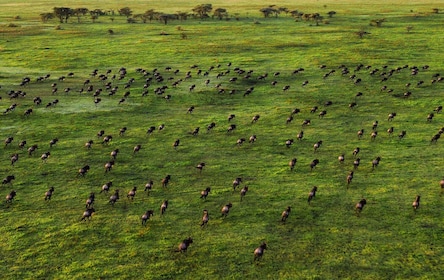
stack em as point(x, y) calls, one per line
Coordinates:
point(176, 144)
point(289, 142)
point(113, 199)
point(132, 193)
point(360, 133)
point(48, 193)
point(145, 217)
point(166, 180)
point(341, 158)
point(226, 209)
point(300, 135)
point(243, 192)
point(312, 194)
point(415, 203)
point(163, 207)
point(200, 166)
point(183, 246)
point(360, 205)
point(349, 178)
point(259, 251)
point(90, 200)
point(285, 214)
point(10, 197)
point(106, 187)
point(149, 186)
point(88, 144)
point(317, 145)
point(292, 163)
point(204, 193)
point(87, 214)
point(205, 218)
point(356, 163)
point(8, 179)
point(53, 142)
point(314, 163)
point(356, 151)
point(236, 183)
point(375, 162)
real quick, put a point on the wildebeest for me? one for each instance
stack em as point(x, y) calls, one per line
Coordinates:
point(349, 178)
point(259, 251)
point(166, 180)
point(317, 145)
point(205, 218)
point(109, 165)
point(356, 162)
point(373, 135)
point(114, 153)
point(190, 109)
point(243, 192)
point(314, 163)
point(145, 217)
point(252, 139)
point(240, 141)
point(100, 133)
point(14, 158)
point(255, 118)
point(430, 117)
point(375, 162)
point(149, 186)
point(289, 142)
point(8, 140)
point(231, 116)
point(402, 134)
point(415, 203)
point(45, 156)
point(10, 197)
point(87, 214)
point(226, 209)
point(107, 139)
point(48, 193)
point(176, 144)
point(341, 158)
point(356, 151)
point(231, 128)
point(137, 148)
point(292, 163)
point(375, 125)
point(391, 116)
point(211, 126)
point(300, 135)
point(90, 200)
point(285, 214)
point(312, 194)
point(163, 207)
point(390, 131)
point(113, 199)
point(236, 183)
point(22, 144)
point(183, 246)
point(132, 193)
point(359, 206)
point(8, 179)
point(88, 144)
point(204, 193)
point(150, 130)
point(53, 142)
point(106, 187)
point(32, 149)
point(306, 122)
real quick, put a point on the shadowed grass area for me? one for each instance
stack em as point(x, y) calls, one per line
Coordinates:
point(325, 239)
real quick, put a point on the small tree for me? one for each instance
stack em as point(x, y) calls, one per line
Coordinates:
point(63, 13)
point(331, 14)
point(202, 10)
point(220, 13)
point(79, 12)
point(125, 12)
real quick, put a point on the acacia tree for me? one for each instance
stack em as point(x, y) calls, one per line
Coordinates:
point(331, 14)
point(202, 10)
point(63, 13)
point(268, 11)
point(220, 13)
point(126, 11)
point(79, 12)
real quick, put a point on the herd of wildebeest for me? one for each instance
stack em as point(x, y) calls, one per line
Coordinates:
point(223, 80)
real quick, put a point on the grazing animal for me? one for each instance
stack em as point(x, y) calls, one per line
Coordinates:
point(106, 187)
point(259, 251)
point(10, 197)
point(107, 139)
point(415, 203)
point(231, 116)
point(53, 142)
point(360, 133)
point(90, 200)
point(356, 163)
point(114, 153)
point(349, 178)
point(285, 214)
point(292, 163)
point(252, 139)
point(176, 144)
point(14, 158)
point(166, 180)
point(163, 207)
point(205, 218)
point(231, 128)
point(122, 131)
point(322, 114)
point(48, 193)
point(402, 134)
point(88, 144)
point(289, 119)
point(317, 145)
point(314, 163)
point(109, 165)
point(255, 118)
point(240, 141)
point(306, 122)
point(391, 116)
point(45, 156)
point(149, 186)
point(100, 133)
point(88, 214)
point(211, 126)
point(356, 151)
point(113, 199)
point(32, 149)
point(312, 194)
point(204, 193)
point(150, 130)
point(341, 158)
point(289, 142)
point(137, 148)
point(8, 179)
point(161, 127)
point(236, 183)
point(243, 192)
point(191, 109)
point(390, 131)
point(132, 193)
point(373, 135)
point(300, 135)
point(430, 117)
point(226, 209)
point(22, 144)
point(359, 206)
point(145, 217)
point(183, 246)
point(375, 162)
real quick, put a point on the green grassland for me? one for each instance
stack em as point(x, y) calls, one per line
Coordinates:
point(324, 240)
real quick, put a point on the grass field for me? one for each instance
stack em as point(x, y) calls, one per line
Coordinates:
point(325, 239)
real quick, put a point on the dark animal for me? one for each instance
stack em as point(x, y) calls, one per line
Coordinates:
point(317, 145)
point(231, 128)
point(8, 179)
point(109, 165)
point(341, 158)
point(163, 207)
point(255, 118)
point(166, 180)
point(285, 214)
point(14, 158)
point(231, 116)
point(359, 206)
point(183, 246)
point(205, 218)
point(375, 125)
point(176, 144)
point(391, 116)
point(356, 163)
point(48, 193)
point(243, 192)
point(360, 133)
point(45, 156)
point(292, 163)
point(314, 163)
point(132, 193)
point(289, 142)
point(390, 131)
point(402, 134)
point(137, 148)
point(145, 217)
point(114, 153)
point(149, 186)
point(259, 251)
point(349, 178)
point(312, 194)
point(415, 203)
point(300, 135)
point(356, 151)
point(8, 141)
point(88, 144)
point(204, 193)
point(87, 214)
point(32, 149)
point(226, 209)
point(53, 142)
point(236, 183)
point(106, 187)
point(10, 197)
point(113, 199)
point(375, 162)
